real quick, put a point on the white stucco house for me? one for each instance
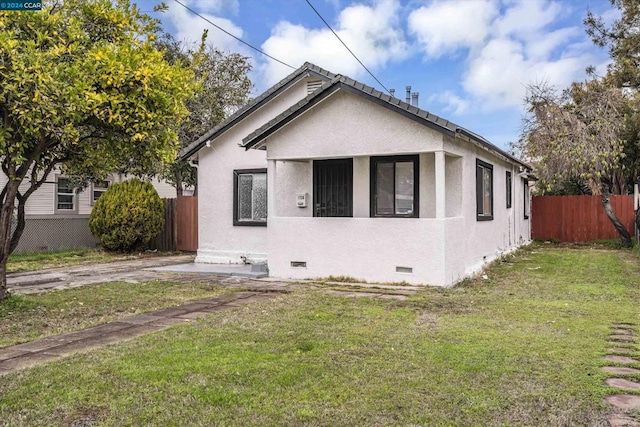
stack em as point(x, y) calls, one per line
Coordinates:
point(322, 175)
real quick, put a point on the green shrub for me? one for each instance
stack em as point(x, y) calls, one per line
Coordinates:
point(127, 216)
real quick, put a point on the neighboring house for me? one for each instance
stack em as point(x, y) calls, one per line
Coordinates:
point(57, 216)
point(359, 184)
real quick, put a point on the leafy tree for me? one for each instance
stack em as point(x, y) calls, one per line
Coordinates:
point(127, 216)
point(225, 88)
point(622, 40)
point(82, 88)
point(564, 187)
point(577, 134)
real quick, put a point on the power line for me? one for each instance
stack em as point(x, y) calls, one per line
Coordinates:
point(237, 38)
point(347, 47)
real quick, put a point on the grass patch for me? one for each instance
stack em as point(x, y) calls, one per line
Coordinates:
point(29, 261)
point(523, 347)
point(29, 317)
point(338, 279)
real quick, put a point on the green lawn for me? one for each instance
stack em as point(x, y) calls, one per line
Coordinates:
point(521, 348)
point(29, 261)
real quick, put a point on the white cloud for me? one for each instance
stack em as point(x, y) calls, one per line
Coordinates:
point(508, 44)
point(371, 32)
point(219, 6)
point(524, 17)
point(446, 26)
point(453, 103)
point(499, 75)
point(542, 47)
point(189, 27)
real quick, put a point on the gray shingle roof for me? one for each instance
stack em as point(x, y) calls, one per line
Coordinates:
point(306, 69)
point(345, 83)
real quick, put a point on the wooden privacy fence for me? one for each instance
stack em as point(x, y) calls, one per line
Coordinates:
point(180, 226)
point(578, 218)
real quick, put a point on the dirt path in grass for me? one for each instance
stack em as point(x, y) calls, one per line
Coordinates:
point(134, 271)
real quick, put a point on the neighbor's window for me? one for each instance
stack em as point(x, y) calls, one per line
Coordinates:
point(99, 187)
point(484, 191)
point(509, 188)
point(250, 197)
point(394, 186)
point(65, 195)
point(526, 198)
point(333, 188)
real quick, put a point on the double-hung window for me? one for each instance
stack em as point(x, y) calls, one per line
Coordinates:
point(99, 187)
point(333, 188)
point(250, 197)
point(484, 191)
point(394, 186)
point(65, 195)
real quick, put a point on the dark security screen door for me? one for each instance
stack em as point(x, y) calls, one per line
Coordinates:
point(333, 187)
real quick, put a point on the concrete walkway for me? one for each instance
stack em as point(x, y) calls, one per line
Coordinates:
point(29, 354)
point(73, 276)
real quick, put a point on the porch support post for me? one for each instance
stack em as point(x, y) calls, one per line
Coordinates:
point(440, 185)
point(271, 189)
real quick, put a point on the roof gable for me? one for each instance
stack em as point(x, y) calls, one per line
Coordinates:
point(256, 138)
point(307, 69)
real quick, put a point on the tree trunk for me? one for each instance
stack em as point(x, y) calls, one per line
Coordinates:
point(6, 214)
point(4, 290)
point(625, 237)
point(178, 179)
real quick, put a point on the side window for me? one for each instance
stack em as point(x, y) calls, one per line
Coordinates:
point(99, 187)
point(527, 198)
point(250, 197)
point(484, 191)
point(333, 188)
point(65, 196)
point(394, 186)
point(509, 183)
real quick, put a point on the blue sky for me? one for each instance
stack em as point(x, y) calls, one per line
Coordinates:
point(470, 60)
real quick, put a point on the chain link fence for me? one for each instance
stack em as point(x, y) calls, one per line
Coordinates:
point(49, 233)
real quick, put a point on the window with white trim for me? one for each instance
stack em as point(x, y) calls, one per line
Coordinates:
point(250, 197)
point(99, 187)
point(65, 195)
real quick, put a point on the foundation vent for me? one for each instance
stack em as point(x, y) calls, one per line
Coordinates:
point(405, 270)
point(299, 264)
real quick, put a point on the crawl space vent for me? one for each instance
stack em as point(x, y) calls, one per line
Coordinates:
point(406, 270)
point(299, 264)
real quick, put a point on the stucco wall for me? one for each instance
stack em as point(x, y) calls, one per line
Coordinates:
point(472, 243)
point(362, 248)
point(454, 170)
point(293, 178)
point(219, 241)
point(345, 125)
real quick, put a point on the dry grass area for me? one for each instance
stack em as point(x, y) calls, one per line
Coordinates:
point(30, 261)
point(523, 348)
point(29, 317)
